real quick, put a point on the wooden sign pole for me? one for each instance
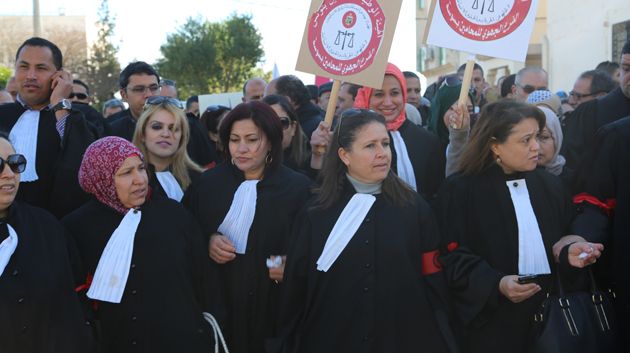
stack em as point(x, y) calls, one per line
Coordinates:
point(463, 94)
point(332, 102)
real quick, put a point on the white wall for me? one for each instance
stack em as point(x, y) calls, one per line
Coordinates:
point(579, 36)
point(403, 52)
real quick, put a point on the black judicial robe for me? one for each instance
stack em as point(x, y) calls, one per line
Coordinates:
point(609, 179)
point(426, 155)
point(168, 284)
point(156, 187)
point(39, 308)
point(374, 298)
point(58, 160)
point(92, 116)
point(251, 297)
point(580, 129)
point(477, 213)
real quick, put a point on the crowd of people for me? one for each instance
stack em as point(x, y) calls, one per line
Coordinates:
point(408, 223)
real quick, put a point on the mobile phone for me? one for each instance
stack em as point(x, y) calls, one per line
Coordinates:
point(524, 279)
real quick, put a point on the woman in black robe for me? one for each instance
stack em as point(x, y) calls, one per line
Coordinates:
point(247, 249)
point(162, 134)
point(500, 217)
point(39, 309)
point(417, 155)
point(159, 276)
point(381, 293)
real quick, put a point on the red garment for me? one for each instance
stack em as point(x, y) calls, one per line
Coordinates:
point(100, 163)
point(362, 101)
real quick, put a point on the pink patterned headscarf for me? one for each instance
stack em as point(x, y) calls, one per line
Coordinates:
point(100, 162)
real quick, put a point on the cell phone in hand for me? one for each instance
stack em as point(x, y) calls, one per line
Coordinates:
point(524, 279)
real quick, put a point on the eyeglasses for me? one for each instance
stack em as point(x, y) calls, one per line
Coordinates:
point(157, 100)
point(285, 122)
point(216, 108)
point(580, 95)
point(141, 89)
point(529, 88)
point(350, 113)
point(78, 95)
point(16, 162)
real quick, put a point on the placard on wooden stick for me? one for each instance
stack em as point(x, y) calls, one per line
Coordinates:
point(349, 40)
point(497, 28)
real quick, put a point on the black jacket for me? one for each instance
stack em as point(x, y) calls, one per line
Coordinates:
point(58, 160)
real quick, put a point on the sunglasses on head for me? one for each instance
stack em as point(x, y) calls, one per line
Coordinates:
point(78, 95)
point(16, 162)
point(157, 100)
point(216, 108)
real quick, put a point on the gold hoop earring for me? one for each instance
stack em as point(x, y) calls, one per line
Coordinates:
point(233, 161)
point(268, 159)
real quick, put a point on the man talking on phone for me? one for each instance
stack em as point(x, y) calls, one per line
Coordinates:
point(45, 129)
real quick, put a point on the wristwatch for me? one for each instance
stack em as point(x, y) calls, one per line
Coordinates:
point(64, 104)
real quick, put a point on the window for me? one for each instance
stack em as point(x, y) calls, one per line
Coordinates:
point(620, 34)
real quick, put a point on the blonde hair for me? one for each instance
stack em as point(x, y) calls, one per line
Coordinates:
point(180, 162)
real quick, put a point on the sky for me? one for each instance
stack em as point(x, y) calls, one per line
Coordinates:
point(143, 25)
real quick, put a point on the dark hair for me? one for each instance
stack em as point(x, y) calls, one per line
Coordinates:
point(494, 125)
point(41, 42)
point(210, 118)
point(323, 88)
point(292, 87)
point(81, 83)
point(137, 67)
point(113, 103)
point(353, 89)
point(476, 66)
point(409, 74)
point(601, 81)
point(626, 48)
point(265, 119)
point(167, 82)
point(506, 85)
point(333, 173)
point(313, 91)
point(608, 66)
point(191, 100)
point(299, 148)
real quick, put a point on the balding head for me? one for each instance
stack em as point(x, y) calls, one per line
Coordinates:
point(528, 80)
point(254, 89)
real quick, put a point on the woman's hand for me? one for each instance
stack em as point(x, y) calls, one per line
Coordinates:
point(515, 292)
point(221, 249)
point(582, 254)
point(277, 273)
point(320, 140)
point(457, 117)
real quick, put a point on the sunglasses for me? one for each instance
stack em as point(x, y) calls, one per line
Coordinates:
point(78, 95)
point(285, 122)
point(451, 81)
point(347, 114)
point(580, 95)
point(159, 100)
point(16, 162)
point(529, 88)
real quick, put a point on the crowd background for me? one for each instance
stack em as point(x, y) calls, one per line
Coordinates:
point(400, 225)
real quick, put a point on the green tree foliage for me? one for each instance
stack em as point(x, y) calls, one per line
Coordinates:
point(5, 75)
point(211, 57)
point(102, 65)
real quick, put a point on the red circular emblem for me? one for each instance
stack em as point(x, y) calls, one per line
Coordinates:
point(343, 38)
point(485, 20)
point(349, 19)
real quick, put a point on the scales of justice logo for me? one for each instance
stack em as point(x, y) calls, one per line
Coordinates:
point(344, 37)
point(484, 20)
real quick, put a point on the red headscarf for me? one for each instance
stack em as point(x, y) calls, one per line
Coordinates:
point(362, 101)
point(100, 162)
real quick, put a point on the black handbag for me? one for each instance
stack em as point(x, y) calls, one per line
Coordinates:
point(575, 322)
